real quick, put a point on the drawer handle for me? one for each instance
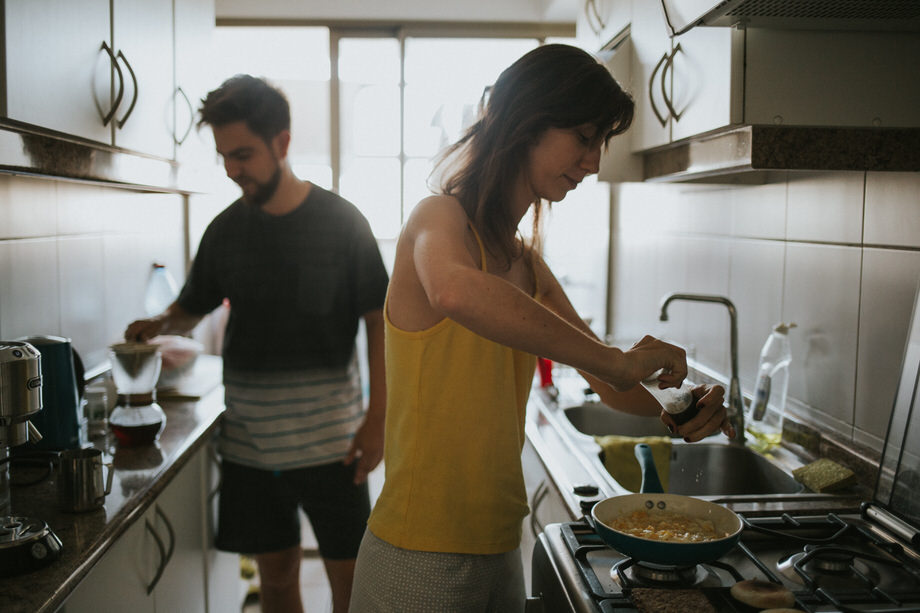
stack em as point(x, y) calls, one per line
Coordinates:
point(172, 534)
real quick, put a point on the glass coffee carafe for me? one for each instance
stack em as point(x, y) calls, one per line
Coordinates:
point(137, 419)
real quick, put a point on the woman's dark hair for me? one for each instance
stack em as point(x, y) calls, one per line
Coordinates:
point(553, 86)
point(262, 107)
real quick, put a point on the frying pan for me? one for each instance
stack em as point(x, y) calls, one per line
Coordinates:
point(651, 497)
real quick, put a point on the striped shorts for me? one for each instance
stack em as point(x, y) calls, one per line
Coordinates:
point(389, 579)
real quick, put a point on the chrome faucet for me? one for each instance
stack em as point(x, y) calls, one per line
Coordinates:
point(735, 404)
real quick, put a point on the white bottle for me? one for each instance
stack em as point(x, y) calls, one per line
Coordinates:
point(162, 290)
point(763, 420)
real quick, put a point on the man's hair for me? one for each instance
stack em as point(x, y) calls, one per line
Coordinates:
point(262, 107)
point(552, 86)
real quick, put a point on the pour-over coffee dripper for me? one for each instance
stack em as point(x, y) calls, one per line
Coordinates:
point(137, 419)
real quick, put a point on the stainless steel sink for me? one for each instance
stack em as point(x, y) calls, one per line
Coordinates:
point(596, 419)
point(704, 469)
point(696, 469)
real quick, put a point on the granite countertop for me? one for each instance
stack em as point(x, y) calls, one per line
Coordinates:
point(141, 473)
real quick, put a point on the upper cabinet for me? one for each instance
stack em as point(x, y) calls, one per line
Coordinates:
point(105, 70)
point(194, 24)
point(710, 80)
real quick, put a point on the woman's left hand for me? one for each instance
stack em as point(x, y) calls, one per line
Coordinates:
point(711, 415)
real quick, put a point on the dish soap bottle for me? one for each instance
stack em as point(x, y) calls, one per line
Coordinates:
point(764, 418)
point(161, 290)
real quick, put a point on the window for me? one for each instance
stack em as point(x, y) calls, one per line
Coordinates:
point(400, 100)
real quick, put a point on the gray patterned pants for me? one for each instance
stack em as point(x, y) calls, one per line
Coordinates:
point(393, 580)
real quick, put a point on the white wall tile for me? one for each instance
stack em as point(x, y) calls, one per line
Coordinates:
point(893, 208)
point(889, 286)
point(708, 324)
point(825, 207)
point(27, 207)
point(81, 208)
point(759, 211)
point(822, 297)
point(756, 288)
point(707, 209)
point(29, 293)
point(82, 295)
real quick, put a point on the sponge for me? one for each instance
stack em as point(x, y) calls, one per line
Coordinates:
point(824, 476)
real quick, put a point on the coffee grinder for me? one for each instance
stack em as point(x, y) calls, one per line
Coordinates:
point(26, 543)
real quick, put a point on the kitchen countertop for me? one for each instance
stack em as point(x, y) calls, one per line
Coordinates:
point(141, 473)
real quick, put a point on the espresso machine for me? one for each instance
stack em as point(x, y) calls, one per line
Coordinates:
point(26, 543)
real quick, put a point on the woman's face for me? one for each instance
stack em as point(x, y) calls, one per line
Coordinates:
point(561, 159)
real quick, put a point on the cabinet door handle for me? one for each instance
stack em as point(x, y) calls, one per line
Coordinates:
point(664, 72)
point(162, 565)
point(651, 91)
point(597, 15)
point(191, 117)
point(169, 529)
point(121, 122)
point(107, 117)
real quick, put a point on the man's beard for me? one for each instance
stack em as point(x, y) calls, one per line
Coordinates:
point(264, 191)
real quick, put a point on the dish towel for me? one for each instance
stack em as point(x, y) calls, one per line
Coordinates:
point(620, 458)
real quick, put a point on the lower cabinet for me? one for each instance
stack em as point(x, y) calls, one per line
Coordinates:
point(165, 561)
point(546, 505)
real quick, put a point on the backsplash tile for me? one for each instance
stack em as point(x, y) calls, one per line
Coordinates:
point(28, 207)
point(889, 287)
point(81, 269)
point(825, 207)
point(821, 291)
point(893, 209)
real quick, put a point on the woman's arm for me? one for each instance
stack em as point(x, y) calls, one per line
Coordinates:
point(499, 311)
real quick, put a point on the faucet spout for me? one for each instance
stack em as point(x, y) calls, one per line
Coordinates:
point(735, 403)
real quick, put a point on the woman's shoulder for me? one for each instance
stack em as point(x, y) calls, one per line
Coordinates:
point(437, 210)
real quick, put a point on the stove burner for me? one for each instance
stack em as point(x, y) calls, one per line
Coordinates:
point(832, 568)
point(629, 573)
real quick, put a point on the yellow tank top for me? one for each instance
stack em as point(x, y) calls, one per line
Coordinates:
point(454, 435)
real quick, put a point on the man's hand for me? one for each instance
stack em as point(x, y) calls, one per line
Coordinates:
point(144, 329)
point(366, 448)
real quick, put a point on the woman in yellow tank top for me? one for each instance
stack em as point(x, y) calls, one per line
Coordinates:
point(469, 306)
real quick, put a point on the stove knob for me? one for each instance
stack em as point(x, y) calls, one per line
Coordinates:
point(586, 490)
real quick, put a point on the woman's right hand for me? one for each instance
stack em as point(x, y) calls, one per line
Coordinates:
point(647, 357)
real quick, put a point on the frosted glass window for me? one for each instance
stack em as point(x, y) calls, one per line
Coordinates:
point(372, 184)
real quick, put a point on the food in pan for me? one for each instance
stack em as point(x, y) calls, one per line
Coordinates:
point(762, 594)
point(666, 526)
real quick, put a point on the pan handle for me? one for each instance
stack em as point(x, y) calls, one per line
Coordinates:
point(651, 484)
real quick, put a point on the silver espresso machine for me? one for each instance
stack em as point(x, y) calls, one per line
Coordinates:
point(26, 543)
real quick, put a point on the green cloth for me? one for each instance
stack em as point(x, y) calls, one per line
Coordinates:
point(620, 458)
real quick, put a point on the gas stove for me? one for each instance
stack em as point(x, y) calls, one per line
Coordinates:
point(834, 562)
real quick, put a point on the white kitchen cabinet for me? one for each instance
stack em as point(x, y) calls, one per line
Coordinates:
point(157, 565)
point(194, 24)
point(712, 78)
point(67, 62)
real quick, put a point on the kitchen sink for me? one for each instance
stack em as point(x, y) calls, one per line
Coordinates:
point(596, 419)
point(704, 469)
point(696, 469)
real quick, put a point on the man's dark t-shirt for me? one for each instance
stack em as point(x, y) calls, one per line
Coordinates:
point(297, 283)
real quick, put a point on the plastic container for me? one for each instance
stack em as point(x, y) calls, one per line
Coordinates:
point(161, 291)
point(676, 401)
point(763, 420)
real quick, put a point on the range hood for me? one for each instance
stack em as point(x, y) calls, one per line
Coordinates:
point(864, 15)
point(746, 154)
